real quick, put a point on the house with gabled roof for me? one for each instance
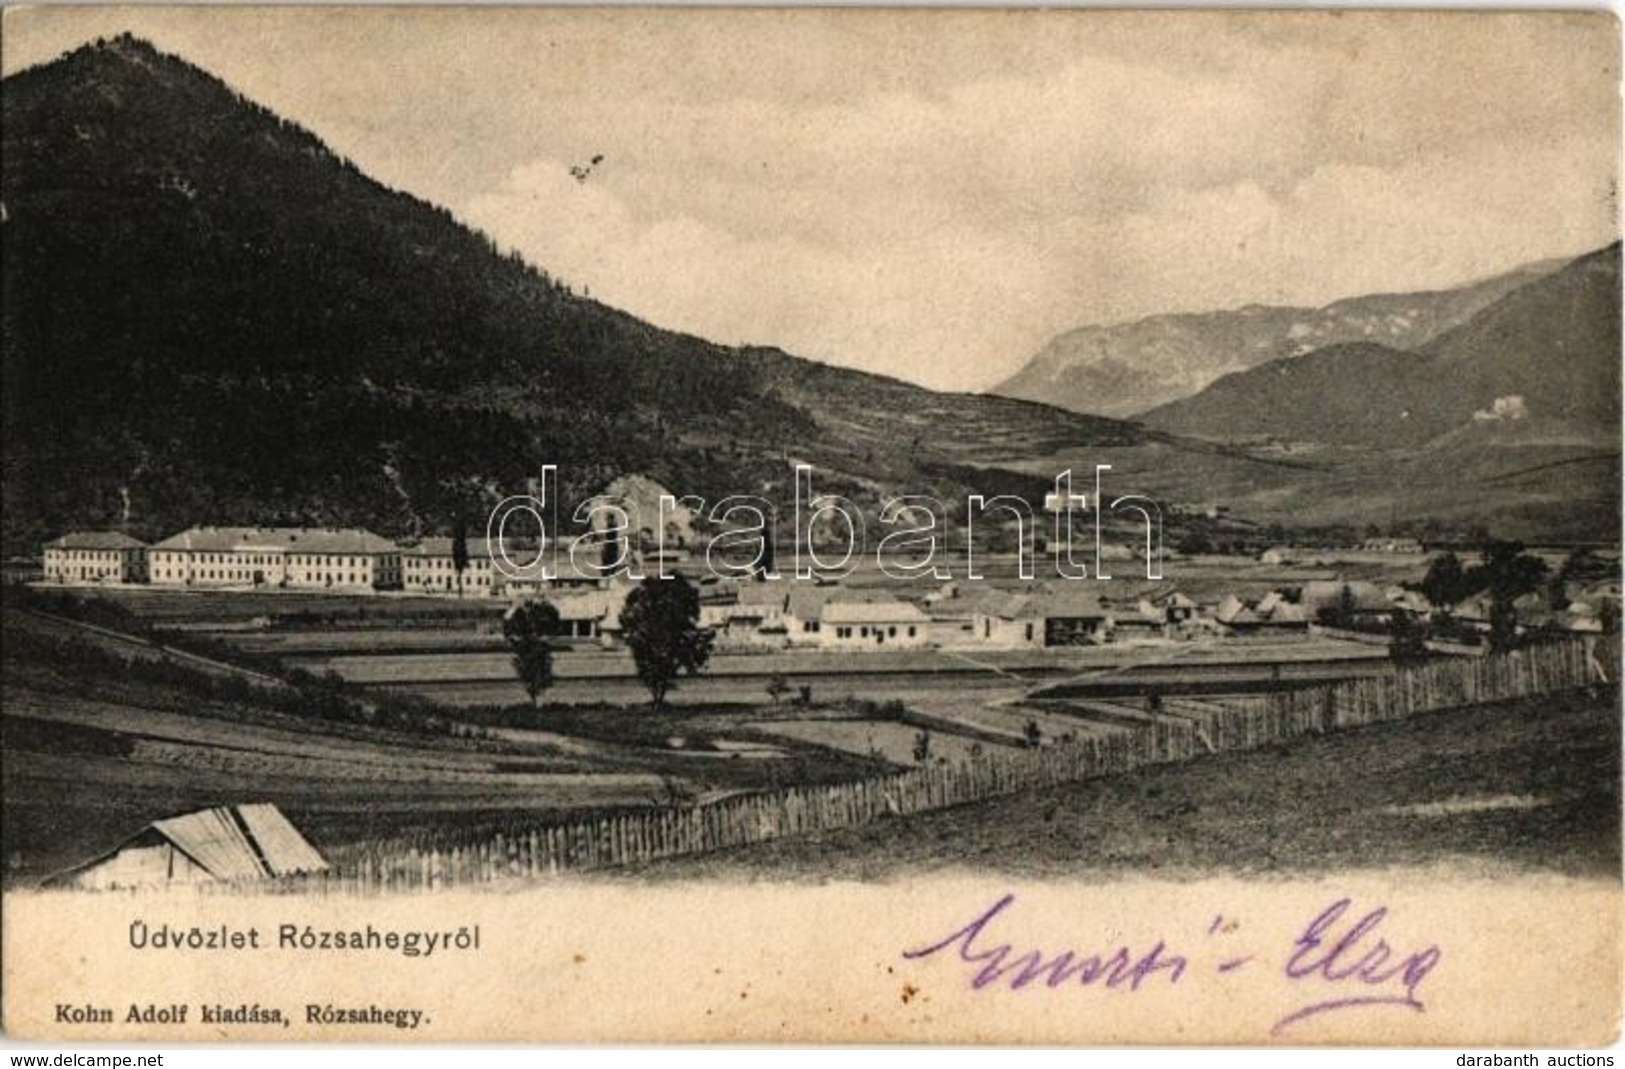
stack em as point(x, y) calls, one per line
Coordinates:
point(1073, 616)
point(888, 623)
point(751, 615)
point(1006, 620)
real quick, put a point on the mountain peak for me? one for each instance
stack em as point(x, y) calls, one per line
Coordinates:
point(1547, 351)
point(1128, 368)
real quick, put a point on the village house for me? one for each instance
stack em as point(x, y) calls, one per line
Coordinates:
point(1411, 601)
point(1137, 618)
point(873, 624)
point(95, 557)
point(301, 558)
point(592, 615)
point(1581, 616)
point(1473, 613)
point(749, 616)
point(1007, 621)
point(227, 843)
point(804, 611)
point(1072, 617)
point(1234, 613)
point(1272, 612)
point(1176, 608)
point(1391, 545)
point(1276, 610)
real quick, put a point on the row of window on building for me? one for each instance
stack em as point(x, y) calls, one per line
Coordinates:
point(301, 557)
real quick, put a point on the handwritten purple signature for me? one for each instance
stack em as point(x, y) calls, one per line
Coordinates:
point(1338, 962)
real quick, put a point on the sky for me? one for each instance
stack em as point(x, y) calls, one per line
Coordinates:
point(934, 194)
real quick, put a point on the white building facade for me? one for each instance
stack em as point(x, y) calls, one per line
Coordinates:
point(301, 558)
point(95, 557)
point(849, 625)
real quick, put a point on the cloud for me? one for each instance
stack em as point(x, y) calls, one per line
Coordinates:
point(935, 194)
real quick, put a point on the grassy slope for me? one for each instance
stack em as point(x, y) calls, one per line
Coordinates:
point(1317, 805)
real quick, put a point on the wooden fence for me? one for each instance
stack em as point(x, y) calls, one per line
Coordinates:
point(530, 853)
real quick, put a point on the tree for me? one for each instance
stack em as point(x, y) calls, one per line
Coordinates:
point(1503, 625)
point(1343, 614)
point(1407, 638)
point(660, 624)
point(1582, 565)
point(529, 630)
point(777, 687)
point(922, 747)
point(609, 555)
point(1445, 583)
point(1196, 539)
point(1509, 573)
point(1608, 616)
point(459, 553)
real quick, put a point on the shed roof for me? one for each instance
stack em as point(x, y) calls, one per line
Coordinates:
point(252, 841)
point(241, 842)
point(289, 539)
point(440, 546)
point(873, 612)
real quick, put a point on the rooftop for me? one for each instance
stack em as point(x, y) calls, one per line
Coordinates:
point(872, 612)
point(284, 539)
point(95, 540)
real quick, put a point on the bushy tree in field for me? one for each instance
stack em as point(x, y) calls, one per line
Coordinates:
point(1445, 583)
point(660, 624)
point(529, 630)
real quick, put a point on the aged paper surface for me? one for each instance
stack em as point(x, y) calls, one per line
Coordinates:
point(861, 526)
point(824, 964)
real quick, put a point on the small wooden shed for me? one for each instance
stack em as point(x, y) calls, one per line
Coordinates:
point(240, 842)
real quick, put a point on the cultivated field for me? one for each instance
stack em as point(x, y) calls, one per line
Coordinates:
point(91, 757)
point(93, 754)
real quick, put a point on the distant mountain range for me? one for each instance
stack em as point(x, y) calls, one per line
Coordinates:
point(208, 316)
point(1540, 364)
point(1128, 368)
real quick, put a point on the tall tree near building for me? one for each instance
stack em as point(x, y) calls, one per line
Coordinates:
point(459, 552)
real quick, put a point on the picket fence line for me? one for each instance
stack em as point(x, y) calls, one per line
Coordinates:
point(1176, 734)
